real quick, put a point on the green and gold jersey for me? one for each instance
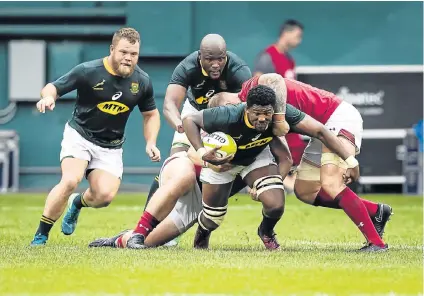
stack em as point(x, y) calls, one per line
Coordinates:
point(200, 88)
point(105, 100)
point(232, 120)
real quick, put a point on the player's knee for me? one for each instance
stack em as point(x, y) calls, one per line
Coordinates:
point(303, 195)
point(332, 184)
point(210, 218)
point(101, 198)
point(276, 209)
point(69, 182)
point(306, 191)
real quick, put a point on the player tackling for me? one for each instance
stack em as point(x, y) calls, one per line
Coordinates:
point(321, 175)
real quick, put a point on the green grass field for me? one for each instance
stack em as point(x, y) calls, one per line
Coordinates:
point(318, 254)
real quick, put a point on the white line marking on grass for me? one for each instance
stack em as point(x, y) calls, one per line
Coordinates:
point(191, 294)
point(230, 208)
point(321, 244)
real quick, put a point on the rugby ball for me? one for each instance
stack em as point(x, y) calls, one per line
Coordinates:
point(227, 143)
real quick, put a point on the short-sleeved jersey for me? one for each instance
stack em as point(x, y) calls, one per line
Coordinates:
point(232, 120)
point(200, 87)
point(105, 100)
point(317, 103)
point(273, 61)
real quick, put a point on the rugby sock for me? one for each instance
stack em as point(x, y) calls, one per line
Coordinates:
point(45, 225)
point(118, 242)
point(153, 188)
point(325, 201)
point(268, 223)
point(79, 201)
point(146, 224)
point(357, 212)
point(372, 207)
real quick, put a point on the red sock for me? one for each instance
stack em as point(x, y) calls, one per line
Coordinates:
point(324, 200)
point(372, 207)
point(146, 224)
point(357, 212)
point(119, 243)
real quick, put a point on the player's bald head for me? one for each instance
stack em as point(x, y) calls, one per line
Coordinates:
point(223, 98)
point(213, 55)
point(213, 42)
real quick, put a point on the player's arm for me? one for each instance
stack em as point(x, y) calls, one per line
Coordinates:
point(313, 128)
point(175, 94)
point(276, 82)
point(151, 122)
point(192, 125)
point(52, 91)
point(282, 154)
point(210, 120)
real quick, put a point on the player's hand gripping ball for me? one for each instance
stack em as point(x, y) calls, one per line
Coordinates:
point(219, 139)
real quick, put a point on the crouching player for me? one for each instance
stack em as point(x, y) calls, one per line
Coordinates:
point(178, 199)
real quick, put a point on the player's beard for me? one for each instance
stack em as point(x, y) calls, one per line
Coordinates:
point(261, 127)
point(125, 71)
point(122, 70)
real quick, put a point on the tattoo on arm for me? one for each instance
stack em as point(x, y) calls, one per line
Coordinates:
point(276, 82)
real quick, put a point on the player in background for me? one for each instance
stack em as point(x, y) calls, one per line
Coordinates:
point(276, 58)
point(107, 91)
point(196, 79)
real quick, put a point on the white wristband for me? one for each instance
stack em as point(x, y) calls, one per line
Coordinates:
point(351, 162)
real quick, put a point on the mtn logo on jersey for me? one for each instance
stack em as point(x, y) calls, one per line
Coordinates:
point(112, 107)
point(256, 143)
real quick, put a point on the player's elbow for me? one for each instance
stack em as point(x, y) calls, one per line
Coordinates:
point(152, 115)
point(321, 134)
point(49, 90)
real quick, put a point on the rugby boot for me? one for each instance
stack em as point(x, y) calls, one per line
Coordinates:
point(270, 242)
point(374, 248)
point(70, 220)
point(106, 241)
point(381, 218)
point(136, 241)
point(201, 238)
point(39, 240)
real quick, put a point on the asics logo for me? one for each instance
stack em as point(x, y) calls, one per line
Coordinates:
point(117, 96)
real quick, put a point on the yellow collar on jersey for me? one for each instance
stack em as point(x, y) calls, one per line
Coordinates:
point(246, 121)
point(108, 67)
